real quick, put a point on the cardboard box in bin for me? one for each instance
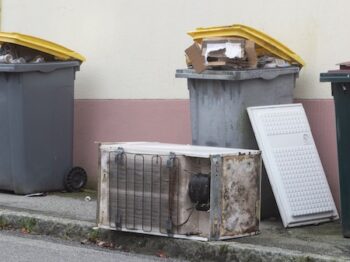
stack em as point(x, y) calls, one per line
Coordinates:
point(223, 52)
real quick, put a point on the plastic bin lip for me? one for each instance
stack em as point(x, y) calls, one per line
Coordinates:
point(39, 67)
point(335, 77)
point(267, 74)
point(59, 51)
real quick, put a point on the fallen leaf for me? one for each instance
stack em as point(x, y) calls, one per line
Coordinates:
point(24, 230)
point(85, 241)
point(101, 243)
point(161, 254)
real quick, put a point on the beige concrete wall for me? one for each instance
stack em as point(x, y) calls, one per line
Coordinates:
point(133, 47)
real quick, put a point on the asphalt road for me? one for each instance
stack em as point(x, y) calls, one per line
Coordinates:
point(15, 247)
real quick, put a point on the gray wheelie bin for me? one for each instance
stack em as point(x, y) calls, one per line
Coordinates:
point(36, 125)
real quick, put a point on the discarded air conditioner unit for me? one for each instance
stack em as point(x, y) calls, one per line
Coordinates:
point(181, 191)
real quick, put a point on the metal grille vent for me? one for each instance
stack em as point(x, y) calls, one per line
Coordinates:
point(181, 191)
point(143, 192)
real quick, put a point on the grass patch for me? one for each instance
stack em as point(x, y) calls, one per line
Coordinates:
point(28, 224)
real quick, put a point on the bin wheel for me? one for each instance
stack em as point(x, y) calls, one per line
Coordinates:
point(75, 180)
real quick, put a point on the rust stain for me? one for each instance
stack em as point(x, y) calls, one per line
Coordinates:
point(241, 184)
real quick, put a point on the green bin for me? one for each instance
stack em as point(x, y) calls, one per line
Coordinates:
point(341, 92)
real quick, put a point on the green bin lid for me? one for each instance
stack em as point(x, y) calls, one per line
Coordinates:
point(340, 76)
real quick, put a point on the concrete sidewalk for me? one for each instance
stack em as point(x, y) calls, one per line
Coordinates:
point(70, 216)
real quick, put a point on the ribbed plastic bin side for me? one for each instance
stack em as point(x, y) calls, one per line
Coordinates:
point(36, 131)
point(219, 101)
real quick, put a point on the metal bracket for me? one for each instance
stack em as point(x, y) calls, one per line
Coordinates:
point(215, 197)
point(118, 220)
point(119, 155)
point(170, 163)
point(169, 226)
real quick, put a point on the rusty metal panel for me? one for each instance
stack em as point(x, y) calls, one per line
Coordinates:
point(103, 189)
point(240, 195)
point(215, 197)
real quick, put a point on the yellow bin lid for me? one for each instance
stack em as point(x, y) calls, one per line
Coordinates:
point(60, 52)
point(266, 43)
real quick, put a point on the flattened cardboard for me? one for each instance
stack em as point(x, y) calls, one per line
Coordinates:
point(251, 54)
point(194, 54)
point(199, 59)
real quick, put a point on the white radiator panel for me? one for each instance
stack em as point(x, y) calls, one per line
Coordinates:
point(293, 164)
